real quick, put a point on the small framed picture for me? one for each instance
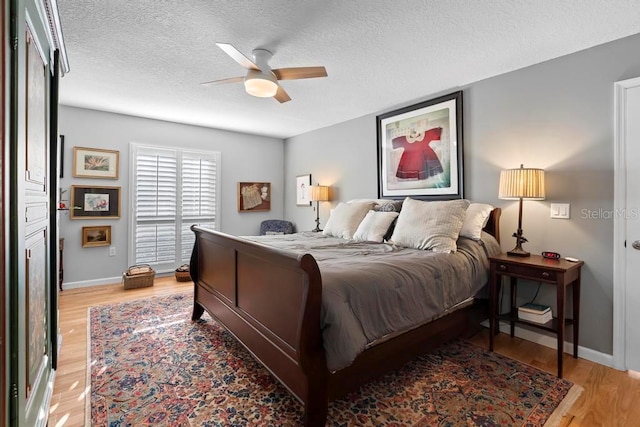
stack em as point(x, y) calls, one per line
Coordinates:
point(254, 196)
point(89, 202)
point(95, 163)
point(303, 185)
point(99, 235)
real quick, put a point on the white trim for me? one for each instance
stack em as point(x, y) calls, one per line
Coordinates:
point(619, 224)
point(94, 282)
point(552, 342)
point(55, 33)
point(106, 281)
point(36, 42)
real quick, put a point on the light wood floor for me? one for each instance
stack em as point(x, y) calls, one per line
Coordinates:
point(610, 397)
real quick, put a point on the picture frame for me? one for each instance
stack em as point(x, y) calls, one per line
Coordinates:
point(99, 235)
point(95, 163)
point(303, 185)
point(94, 202)
point(254, 196)
point(420, 150)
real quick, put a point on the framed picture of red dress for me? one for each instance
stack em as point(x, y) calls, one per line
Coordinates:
point(420, 150)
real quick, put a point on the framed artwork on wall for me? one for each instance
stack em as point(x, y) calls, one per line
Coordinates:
point(99, 235)
point(303, 184)
point(95, 163)
point(254, 196)
point(420, 150)
point(90, 202)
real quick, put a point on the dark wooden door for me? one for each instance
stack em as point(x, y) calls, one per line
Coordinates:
point(4, 369)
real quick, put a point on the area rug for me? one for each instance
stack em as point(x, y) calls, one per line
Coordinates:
point(151, 365)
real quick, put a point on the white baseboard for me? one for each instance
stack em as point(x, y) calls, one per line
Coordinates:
point(94, 282)
point(552, 342)
point(104, 281)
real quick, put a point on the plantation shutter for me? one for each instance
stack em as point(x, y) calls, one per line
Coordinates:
point(156, 193)
point(199, 202)
point(172, 190)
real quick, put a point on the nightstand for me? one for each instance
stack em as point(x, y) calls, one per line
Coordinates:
point(560, 273)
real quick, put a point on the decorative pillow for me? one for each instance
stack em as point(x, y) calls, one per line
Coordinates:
point(430, 225)
point(378, 203)
point(273, 233)
point(388, 206)
point(374, 226)
point(345, 218)
point(475, 220)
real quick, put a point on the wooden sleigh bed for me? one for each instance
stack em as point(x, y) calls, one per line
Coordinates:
point(271, 299)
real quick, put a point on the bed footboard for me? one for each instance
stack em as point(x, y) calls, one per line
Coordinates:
point(270, 300)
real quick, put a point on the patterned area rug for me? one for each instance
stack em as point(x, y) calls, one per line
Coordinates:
point(150, 365)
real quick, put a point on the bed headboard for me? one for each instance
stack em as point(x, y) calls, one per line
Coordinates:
point(493, 225)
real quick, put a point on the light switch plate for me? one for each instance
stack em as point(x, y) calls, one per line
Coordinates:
point(560, 210)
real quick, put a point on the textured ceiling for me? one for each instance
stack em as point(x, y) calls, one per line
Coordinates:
point(147, 57)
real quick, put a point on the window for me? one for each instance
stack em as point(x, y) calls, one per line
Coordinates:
point(172, 189)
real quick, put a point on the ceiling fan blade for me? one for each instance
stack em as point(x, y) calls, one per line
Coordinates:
point(237, 56)
point(281, 96)
point(223, 81)
point(299, 73)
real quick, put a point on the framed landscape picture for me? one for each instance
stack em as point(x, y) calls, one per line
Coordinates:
point(303, 185)
point(99, 235)
point(89, 202)
point(420, 150)
point(254, 196)
point(95, 163)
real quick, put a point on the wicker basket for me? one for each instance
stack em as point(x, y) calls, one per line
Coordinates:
point(138, 276)
point(182, 273)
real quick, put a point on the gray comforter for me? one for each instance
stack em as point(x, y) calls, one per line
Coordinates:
point(370, 290)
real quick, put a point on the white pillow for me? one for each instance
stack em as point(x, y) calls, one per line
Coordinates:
point(345, 218)
point(475, 220)
point(374, 226)
point(430, 225)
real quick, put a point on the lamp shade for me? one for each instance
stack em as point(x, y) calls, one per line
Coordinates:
point(522, 183)
point(319, 193)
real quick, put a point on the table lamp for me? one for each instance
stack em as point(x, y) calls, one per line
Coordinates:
point(319, 193)
point(519, 184)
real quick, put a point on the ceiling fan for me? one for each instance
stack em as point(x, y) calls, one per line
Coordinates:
point(261, 80)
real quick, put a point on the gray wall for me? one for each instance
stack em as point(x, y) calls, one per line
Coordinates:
point(556, 115)
point(244, 158)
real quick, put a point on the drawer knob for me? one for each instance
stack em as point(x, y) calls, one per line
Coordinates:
point(545, 274)
point(503, 267)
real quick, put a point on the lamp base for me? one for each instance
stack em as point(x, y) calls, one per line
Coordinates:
point(317, 229)
point(518, 252)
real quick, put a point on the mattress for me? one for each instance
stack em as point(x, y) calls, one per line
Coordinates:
point(371, 291)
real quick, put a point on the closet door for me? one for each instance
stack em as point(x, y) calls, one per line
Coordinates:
point(38, 375)
point(32, 310)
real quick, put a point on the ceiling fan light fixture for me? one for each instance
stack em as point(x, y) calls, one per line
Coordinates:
point(261, 85)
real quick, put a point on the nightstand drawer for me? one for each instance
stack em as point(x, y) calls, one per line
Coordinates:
point(524, 271)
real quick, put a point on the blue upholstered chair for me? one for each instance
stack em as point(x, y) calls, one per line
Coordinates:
point(276, 226)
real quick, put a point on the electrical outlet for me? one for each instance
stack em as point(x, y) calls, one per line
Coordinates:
point(112, 251)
